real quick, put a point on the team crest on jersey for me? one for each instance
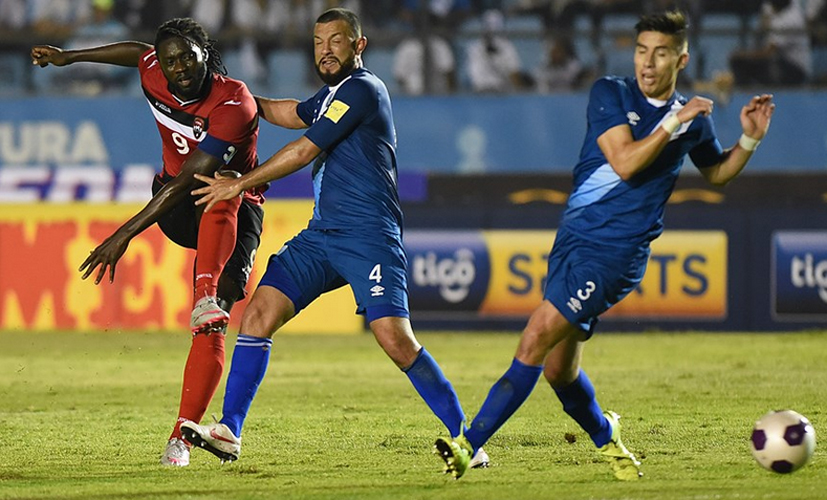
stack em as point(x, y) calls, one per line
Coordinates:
point(197, 127)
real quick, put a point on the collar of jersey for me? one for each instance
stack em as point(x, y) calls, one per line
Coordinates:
point(668, 102)
point(204, 92)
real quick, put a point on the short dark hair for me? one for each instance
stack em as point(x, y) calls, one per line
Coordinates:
point(189, 29)
point(673, 23)
point(340, 14)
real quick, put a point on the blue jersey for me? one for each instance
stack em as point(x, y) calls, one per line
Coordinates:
point(603, 207)
point(354, 178)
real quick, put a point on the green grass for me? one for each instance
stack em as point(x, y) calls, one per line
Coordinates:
point(87, 415)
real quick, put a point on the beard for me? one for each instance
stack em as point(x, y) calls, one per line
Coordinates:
point(193, 91)
point(345, 68)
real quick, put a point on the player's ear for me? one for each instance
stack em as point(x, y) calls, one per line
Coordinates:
point(683, 60)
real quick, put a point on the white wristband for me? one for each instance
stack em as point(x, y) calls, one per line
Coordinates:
point(748, 143)
point(671, 124)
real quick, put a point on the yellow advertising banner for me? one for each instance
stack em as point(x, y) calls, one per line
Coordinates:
point(519, 262)
point(686, 276)
point(41, 247)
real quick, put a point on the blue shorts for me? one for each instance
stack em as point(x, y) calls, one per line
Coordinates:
point(318, 261)
point(585, 278)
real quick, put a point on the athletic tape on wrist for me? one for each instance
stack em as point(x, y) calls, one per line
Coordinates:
point(671, 124)
point(748, 143)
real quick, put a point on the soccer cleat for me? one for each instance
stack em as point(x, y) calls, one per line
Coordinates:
point(177, 453)
point(216, 438)
point(625, 466)
point(455, 453)
point(479, 460)
point(207, 316)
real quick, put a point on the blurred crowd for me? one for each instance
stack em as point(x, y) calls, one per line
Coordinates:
point(432, 46)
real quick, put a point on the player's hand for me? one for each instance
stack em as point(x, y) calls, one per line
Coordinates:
point(44, 55)
point(218, 188)
point(696, 106)
point(105, 256)
point(756, 116)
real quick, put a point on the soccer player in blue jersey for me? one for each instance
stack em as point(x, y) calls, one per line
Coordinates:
point(639, 132)
point(354, 236)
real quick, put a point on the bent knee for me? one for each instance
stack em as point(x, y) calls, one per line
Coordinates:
point(269, 309)
point(559, 376)
point(397, 339)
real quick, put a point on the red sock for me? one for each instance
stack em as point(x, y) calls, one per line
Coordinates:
point(201, 377)
point(216, 241)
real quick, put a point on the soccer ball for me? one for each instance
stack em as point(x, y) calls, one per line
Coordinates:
point(782, 441)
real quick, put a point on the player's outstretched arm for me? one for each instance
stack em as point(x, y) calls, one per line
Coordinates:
point(105, 257)
point(281, 112)
point(119, 53)
point(287, 160)
point(755, 122)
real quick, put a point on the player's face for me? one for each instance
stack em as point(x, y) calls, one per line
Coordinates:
point(657, 62)
point(337, 54)
point(184, 67)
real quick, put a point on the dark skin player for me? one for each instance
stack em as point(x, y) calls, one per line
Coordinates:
point(184, 65)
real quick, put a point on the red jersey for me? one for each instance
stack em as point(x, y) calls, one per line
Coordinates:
point(224, 123)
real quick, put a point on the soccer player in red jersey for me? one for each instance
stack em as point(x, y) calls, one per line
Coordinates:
point(208, 123)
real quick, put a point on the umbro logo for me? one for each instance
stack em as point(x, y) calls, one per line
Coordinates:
point(633, 118)
point(377, 291)
point(232, 103)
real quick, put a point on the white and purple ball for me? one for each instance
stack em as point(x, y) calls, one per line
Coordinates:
point(782, 441)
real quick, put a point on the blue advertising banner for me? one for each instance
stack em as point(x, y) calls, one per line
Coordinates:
point(448, 271)
point(799, 275)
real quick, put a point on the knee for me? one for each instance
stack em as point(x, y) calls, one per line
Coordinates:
point(252, 324)
point(263, 319)
point(536, 342)
point(397, 340)
point(559, 376)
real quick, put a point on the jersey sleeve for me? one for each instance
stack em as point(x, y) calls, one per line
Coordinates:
point(708, 152)
point(146, 61)
point(231, 123)
point(305, 110)
point(605, 108)
point(354, 101)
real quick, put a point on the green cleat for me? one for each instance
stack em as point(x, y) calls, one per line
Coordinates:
point(455, 453)
point(625, 466)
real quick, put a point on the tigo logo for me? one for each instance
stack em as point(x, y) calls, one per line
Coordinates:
point(449, 270)
point(799, 275)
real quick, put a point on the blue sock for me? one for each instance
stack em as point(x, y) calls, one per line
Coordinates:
point(503, 400)
point(580, 403)
point(249, 364)
point(429, 381)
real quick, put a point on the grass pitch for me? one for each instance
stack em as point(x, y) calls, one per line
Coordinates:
point(85, 416)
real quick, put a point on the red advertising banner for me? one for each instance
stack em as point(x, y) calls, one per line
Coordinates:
point(41, 247)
